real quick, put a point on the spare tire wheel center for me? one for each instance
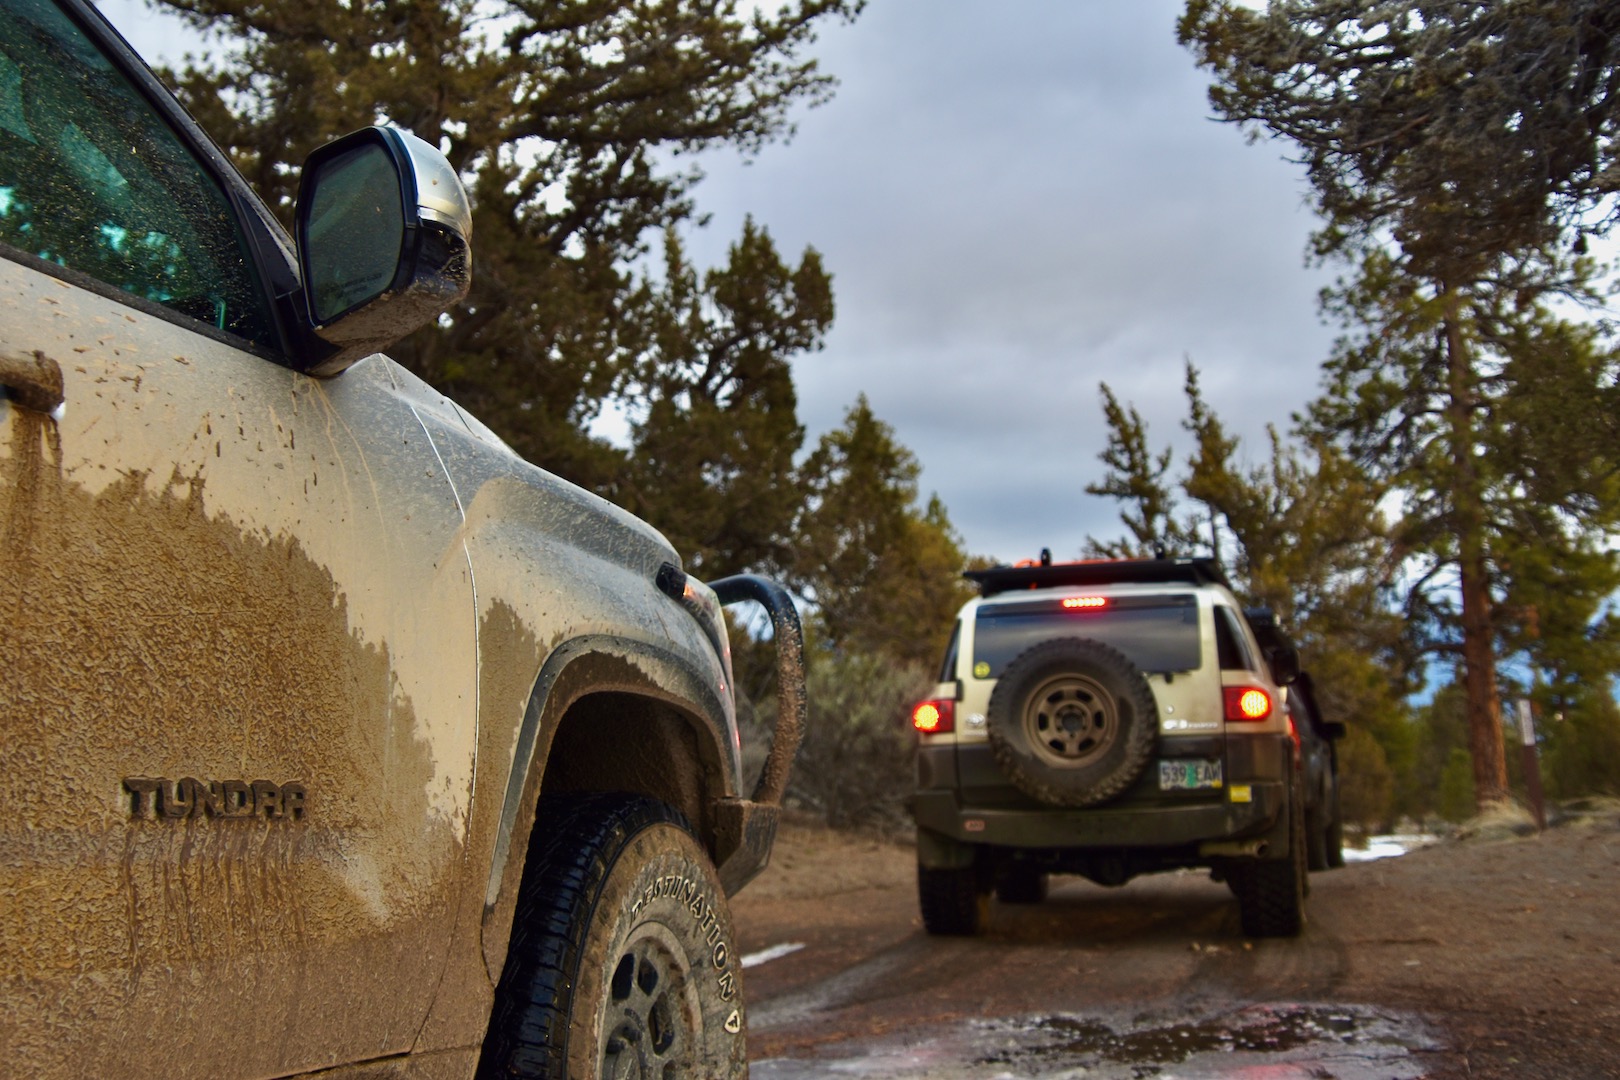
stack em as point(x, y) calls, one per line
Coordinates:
point(1071, 720)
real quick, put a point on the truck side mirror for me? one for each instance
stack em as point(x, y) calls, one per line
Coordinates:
point(1283, 660)
point(384, 234)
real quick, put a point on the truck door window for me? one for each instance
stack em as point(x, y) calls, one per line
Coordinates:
point(92, 178)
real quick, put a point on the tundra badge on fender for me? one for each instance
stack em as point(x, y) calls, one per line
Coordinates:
point(160, 797)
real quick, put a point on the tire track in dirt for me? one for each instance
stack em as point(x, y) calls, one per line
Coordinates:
point(1166, 945)
point(1312, 967)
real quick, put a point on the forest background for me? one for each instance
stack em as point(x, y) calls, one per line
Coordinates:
point(1437, 528)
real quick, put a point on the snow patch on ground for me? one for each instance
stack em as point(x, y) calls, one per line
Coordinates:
point(775, 952)
point(1387, 847)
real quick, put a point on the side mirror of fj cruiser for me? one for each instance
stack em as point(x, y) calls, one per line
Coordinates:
point(384, 234)
point(1284, 663)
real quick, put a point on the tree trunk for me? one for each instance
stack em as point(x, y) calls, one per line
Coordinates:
point(1478, 646)
point(1479, 686)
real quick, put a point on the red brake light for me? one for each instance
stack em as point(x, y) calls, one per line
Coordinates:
point(1247, 703)
point(1080, 603)
point(934, 717)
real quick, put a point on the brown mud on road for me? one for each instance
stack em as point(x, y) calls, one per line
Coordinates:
point(1474, 958)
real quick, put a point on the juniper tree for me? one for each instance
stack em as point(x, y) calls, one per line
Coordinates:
point(573, 123)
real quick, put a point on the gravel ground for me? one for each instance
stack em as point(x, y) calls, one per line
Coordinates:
point(1504, 948)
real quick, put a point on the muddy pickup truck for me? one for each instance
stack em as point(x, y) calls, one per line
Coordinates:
point(334, 738)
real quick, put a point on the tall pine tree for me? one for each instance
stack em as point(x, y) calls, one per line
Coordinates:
point(1457, 152)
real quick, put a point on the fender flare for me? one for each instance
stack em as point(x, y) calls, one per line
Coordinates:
point(638, 668)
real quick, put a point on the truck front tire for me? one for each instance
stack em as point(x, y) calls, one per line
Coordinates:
point(622, 961)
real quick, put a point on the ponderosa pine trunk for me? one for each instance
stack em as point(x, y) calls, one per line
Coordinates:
point(1478, 644)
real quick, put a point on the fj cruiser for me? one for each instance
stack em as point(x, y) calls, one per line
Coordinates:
point(1109, 719)
point(334, 738)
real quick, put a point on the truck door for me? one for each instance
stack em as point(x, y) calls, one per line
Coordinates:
point(237, 658)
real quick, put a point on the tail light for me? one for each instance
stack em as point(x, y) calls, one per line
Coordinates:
point(1084, 603)
point(935, 717)
point(1247, 704)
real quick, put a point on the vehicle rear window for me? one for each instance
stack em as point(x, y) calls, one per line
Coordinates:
point(1157, 633)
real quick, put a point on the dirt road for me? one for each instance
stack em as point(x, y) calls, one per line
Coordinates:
point(1477, 958)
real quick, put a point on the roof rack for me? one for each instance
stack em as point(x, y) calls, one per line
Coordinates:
point(1000, 579)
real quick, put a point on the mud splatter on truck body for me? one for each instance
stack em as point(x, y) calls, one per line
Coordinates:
point(290, 661)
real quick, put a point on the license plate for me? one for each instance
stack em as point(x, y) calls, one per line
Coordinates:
point(1189, 775)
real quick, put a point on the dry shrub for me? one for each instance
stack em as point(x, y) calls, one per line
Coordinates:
point(854, 767)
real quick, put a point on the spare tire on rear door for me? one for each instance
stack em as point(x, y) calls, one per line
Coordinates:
point(1072, 722)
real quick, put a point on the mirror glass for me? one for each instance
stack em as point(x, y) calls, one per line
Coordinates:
point(355, 231)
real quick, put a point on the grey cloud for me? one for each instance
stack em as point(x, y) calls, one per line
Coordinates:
point(1019, 200)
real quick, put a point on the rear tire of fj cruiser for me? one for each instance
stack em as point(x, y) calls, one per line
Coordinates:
point(954, 902)
point(1271, 892)
point(622, 961)
point(1072, 722)
point(1022, 885)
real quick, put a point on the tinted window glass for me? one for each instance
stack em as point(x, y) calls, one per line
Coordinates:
point(1229, 642)
point(947, 670)
point(93, 179)
point(1158, 633)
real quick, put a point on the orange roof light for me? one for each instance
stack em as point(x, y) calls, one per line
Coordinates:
point(934, 717)
point(1080, 603)
point(1247, 703)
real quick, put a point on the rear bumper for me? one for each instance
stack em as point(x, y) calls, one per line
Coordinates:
point(963, 796)
point(942, 811)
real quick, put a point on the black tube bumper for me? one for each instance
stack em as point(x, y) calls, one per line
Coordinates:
point(746, 828)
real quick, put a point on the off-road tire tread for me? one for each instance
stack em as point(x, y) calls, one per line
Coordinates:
point(567, 861)
point(953, 902)
point(1141, 736)
point(1271, 892)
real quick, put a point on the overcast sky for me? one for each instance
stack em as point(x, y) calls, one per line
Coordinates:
point(1017, 200)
